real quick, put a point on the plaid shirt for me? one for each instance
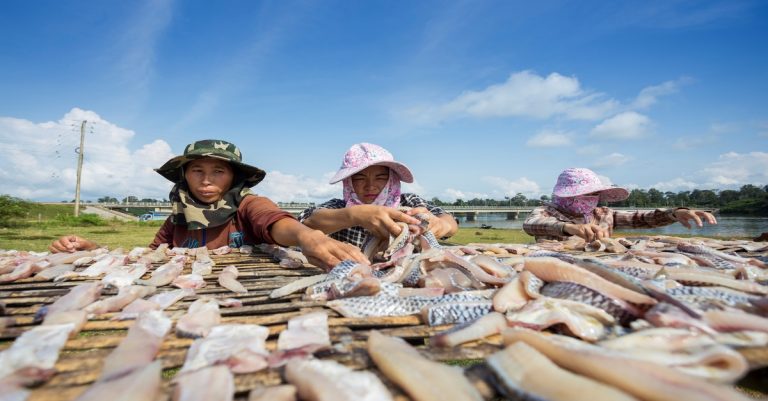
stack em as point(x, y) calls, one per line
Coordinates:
point(356, 235)
point(547, 222)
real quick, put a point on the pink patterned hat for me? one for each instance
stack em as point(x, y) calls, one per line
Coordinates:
point(363, 155)
point(581, 181)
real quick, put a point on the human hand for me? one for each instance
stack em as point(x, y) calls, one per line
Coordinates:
point(325, 252)
point(380, 220)
point(439, 227)
point(71, 243)
point(684, 215)
point(589, 232)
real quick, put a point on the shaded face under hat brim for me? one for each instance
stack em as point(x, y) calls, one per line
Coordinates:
point(172, 169)
point(400, 169)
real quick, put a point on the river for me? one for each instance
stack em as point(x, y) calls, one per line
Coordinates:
point(728, 226)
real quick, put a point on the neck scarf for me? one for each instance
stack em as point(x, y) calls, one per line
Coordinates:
point(389, 195)
point(196, 215)
point(577, 205)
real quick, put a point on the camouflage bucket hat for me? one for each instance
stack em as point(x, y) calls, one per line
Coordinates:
point(214, 148)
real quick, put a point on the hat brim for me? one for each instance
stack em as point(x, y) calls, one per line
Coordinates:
point(400, 169)
point(171, 170)
point(607, 194)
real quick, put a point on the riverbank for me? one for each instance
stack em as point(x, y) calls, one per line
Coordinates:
point(727, 227)
point(115, 234)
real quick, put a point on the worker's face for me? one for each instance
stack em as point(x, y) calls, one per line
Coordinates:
point(369, 182)
point(208, 179)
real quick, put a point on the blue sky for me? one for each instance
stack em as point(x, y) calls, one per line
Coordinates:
point(478, 98)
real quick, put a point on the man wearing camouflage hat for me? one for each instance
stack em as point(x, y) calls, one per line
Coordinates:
point(213, 206)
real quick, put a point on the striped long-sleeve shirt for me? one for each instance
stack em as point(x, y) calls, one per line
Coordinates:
point(548, 223)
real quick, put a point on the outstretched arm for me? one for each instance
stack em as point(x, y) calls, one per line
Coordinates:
point(380, 220)
point(319, 249)
point(542, 223)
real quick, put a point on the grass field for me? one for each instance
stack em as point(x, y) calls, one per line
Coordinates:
point(37, 236)
point(45, 223)
point(113, 234)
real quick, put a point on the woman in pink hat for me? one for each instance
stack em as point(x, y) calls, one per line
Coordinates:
point(371, 180)
point(574, 210)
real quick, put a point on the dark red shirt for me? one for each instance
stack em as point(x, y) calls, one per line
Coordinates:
point(251, 225)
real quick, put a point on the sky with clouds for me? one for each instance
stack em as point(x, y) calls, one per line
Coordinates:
point(480, 99)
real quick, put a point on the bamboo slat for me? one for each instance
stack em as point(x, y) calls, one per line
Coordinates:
point(82, 357)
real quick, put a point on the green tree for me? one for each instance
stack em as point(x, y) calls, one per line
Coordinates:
point(519, 199)
point(655, 197)
point(670, 198)
point(11, 207)
point(750, 191)
point(727, 196)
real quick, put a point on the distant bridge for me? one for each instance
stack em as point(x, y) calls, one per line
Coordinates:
point(470, 212)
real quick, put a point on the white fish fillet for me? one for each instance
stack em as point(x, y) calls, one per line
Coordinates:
point(327, 380)
point(422, 379)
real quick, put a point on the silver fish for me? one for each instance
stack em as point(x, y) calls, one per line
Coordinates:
point(460, 312)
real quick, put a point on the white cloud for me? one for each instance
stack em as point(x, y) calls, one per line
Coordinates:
point(675, 185)
point(524, 94)
point(627, 125)
point(39, 163)
point(612, 160)
point(415, 188)
point(736, 169)
point(451, 195)
point(730, 171)
point(281, 187)
point(604, 179)
point(649, 95)
point(508, 187)
point(549, 139)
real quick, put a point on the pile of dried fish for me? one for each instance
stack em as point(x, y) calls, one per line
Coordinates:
point(647, 318)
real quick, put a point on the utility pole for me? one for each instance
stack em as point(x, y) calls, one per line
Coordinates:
point(79, 167)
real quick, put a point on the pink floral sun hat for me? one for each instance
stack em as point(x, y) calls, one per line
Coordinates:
point(581, 181)
point(363, 155)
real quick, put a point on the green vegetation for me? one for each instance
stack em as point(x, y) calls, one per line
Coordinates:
point(748, 200)
point(11, 208)
point(39, 225)
point(752, 207)
point(491, 235)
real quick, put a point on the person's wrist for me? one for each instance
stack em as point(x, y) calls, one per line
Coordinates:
point(309, 235)
point(351, 215)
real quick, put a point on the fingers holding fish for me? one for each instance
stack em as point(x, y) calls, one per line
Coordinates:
point(698, 216)
point(589, 232)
